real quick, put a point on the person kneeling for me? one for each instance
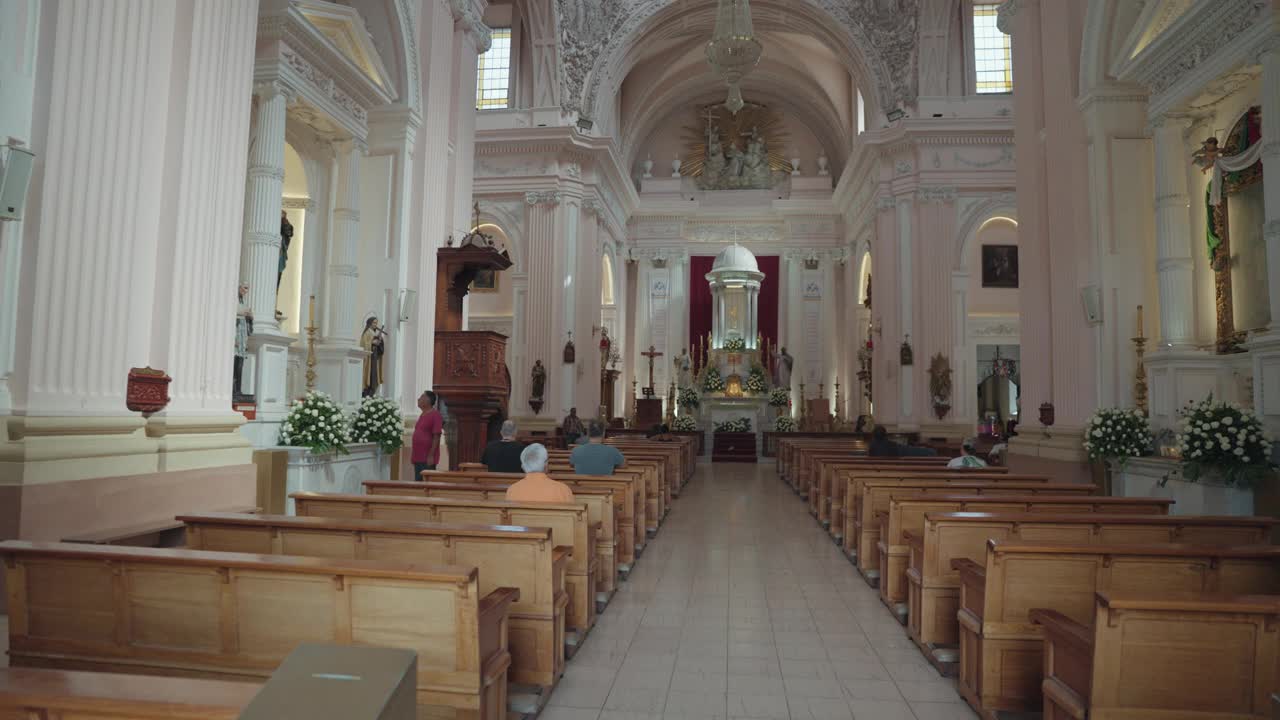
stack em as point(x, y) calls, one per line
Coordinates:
point(536, 485)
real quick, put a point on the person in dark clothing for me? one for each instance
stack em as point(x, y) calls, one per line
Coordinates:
point(504, 455)
point(881, 445)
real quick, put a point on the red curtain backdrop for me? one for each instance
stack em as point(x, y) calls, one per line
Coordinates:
point(700, 299)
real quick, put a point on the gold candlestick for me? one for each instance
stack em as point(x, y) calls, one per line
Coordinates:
point(839, 412)
point(1140, 376)
point(311, 346)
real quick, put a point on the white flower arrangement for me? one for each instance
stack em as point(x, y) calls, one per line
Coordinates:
point(755, 380)
point(784, 423)
point(688, 398)
point(735, 345)
point(713, 381)
point(1117, 434)
point(779, 397)
point(1223, 441)
point(317, 423)
point(378, 421)
point(741, 425)
point(684, 423)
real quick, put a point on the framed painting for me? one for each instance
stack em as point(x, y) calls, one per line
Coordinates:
point(486, 281)
point(999, 266)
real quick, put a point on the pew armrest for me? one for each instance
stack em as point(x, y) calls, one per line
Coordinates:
point(1062, 628)
point(1068, 662)
point(973, 587)
point(494, 610)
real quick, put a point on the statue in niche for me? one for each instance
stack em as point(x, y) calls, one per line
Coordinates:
point(782, 364)
point(714, 164)
point(539, 380)
point(755, 169)
point(733, 170)
point(731, 152)
point(244, 328)
point(373, 341)
point(606, 347)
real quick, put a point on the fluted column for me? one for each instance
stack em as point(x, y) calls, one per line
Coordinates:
point(753, 300)
point(1270, 95)
point(263, 192)
point(1174, 263)
point(343, 325)
point(543, 342)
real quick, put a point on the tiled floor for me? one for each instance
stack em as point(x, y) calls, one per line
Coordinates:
point(720, 620)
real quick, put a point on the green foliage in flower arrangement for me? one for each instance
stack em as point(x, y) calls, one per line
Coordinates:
point(688, 398)
point(755, 380)
point(779, 397)
point(712, 381)
point(785, 423)
point(316, 423)
point(1117, 434)
point(684, 423)
point(378, 421)
point(1223, 442)
point(741, 425)
point(735, 345)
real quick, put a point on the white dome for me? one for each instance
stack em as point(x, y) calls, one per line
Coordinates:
point(735, 257)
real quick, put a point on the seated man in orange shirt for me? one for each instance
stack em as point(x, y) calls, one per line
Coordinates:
point(536, 485)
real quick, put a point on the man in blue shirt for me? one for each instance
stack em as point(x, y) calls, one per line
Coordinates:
point(596, 458)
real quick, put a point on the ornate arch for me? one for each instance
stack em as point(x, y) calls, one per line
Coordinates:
point(1002, 205)
point(509, 217)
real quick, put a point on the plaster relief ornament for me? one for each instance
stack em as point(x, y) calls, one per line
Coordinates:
point(731, 151)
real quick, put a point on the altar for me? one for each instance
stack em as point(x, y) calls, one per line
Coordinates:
point(719, 410)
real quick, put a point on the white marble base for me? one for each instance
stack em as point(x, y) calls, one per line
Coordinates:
point(1143, 477)
point(1180, 376)
point(718, 410)
point(340, 374)
point(1264, 351)
point(334, 473)
point(268, 370)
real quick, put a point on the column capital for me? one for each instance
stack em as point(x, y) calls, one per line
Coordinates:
point(467, 19)
point(347, 146)
point(1169, 120)
point(1269, 48)
point(542, 197)
point(1008, 11)
point(270, 89)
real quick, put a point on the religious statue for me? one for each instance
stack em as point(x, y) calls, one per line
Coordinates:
point(606, 347)
point(373, 340)
point(684, 369)
point(755, 163)
point(539, 380)
point(714, 164)
point(244, 328)
point(286, 237)
point(1207, 156)
point(782, 364)
point(734, 169)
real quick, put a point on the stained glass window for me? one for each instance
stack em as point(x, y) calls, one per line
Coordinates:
point(992, 57)
point(493, 76)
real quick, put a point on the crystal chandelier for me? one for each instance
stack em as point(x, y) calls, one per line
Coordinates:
point(733, 50)
point(1003, 367)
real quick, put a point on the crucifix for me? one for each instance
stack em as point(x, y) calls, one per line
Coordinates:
point(651, 355)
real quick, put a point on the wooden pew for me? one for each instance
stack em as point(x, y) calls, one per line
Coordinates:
point(159, 533)
point(838, 474)
point(907, 514)
point(35, 694)
point(236, 616)
point(962, 529)
point(875, 495)
point(1001, 651)
point(518, 557)
point(627, 485)
point(648, 473)
point(854, 481)
point(817, 485)
point(602, 507)
point(1160, 658)
point(569, 523)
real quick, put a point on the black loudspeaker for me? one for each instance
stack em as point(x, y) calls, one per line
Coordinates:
point(15, 177)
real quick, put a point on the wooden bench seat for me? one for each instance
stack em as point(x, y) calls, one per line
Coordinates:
point(628, 485)
point(647, 476)
point(1163, 658)
point(569, 523)
point(166, 532)
point(37, 694)
point(519, 557)
point(961, 530)
point(824, 471)
point(603, 506)
point(846, 478)
point(236, 616)
point(875, 495)
point(854, 481)
point(1001, 650)
point(908, 514)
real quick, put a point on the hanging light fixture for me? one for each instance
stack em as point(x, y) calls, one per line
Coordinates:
point(1002, 366)
point(733, 51)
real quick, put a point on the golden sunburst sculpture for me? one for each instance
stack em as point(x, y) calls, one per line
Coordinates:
point(734, 131)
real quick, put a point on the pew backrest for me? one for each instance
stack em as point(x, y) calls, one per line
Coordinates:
point(41, 694)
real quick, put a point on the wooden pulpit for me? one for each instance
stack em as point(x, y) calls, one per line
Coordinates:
point(470, 366)
point(648, 412)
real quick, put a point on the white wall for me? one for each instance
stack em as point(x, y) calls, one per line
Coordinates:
point(996, 231)
point(377, 289)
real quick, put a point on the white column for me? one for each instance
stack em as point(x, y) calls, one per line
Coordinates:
point(1270, 93)
point(753, 298)
point(1174, 263)
point(906, 304)
point(963, 375)
point(343, 326)
point(263, 192)
point(543, 342)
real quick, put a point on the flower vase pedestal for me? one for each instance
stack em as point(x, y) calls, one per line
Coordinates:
point(333, 472)
point(1162, 477)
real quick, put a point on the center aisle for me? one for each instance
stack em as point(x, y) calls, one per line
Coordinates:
point(720, 619)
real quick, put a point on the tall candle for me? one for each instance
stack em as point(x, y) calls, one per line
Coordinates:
point(1139, 321)
point(311, 319)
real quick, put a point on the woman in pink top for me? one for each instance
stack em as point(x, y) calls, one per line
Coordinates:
point(536, 485)
point(426, 435)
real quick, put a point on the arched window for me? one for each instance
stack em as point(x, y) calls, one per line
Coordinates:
point(606, 281)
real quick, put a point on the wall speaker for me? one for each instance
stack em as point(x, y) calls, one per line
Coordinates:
point(408, 299)
point(15, 177)
point(1091, 296)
